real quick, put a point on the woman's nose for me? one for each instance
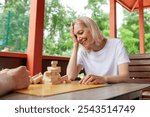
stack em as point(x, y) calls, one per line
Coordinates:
point(79, 39)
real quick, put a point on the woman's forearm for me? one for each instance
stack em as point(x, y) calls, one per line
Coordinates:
point(72, 65)
point(117, 78)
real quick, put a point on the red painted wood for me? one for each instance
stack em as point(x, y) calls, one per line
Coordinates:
point(35, 38)
point(56, 58)
point(135, 4)
point(16, 55)
point(129, 4)
point(141, 27)
point(113, 25)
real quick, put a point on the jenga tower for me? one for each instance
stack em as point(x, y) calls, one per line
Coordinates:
point(52, 76)
point(54, 67)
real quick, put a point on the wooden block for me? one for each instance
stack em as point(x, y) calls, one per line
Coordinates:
point(54, 63)
point(47, 76)
point(36, 78)
point(46, 81)
point(57, 69)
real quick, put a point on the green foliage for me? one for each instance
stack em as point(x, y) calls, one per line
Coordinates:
point(99, 15)
point(147, 30)
point(57, 40)
point(15, 21)
point(129, 32)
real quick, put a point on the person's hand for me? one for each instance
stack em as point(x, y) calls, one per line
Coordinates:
point(92, 80)
point(20, 77)
point(73, 36)
point(64, 79)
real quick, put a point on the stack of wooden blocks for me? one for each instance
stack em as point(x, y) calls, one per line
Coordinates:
point(51, 76)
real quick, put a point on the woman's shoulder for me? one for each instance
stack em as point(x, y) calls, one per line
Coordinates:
point(82, 51)
point(115, 41)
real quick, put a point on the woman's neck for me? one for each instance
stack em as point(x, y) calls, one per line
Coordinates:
point(99, 45)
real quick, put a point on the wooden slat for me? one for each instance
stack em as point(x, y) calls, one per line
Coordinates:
point(145, 81)
point(55, 58)
point(139, 68)
point(13, 55)
point(139, 56)
point(139, 62)
point(140, 74)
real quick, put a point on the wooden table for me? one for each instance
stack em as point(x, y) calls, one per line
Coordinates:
point(115, 91)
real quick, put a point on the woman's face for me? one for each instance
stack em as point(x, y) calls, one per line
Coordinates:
point(84, 36)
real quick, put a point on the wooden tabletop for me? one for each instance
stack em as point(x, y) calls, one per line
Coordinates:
point(114, 91)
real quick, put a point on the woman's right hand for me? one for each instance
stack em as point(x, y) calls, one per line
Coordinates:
point(73, 36)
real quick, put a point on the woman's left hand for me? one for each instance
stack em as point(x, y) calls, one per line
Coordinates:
point(92, 79)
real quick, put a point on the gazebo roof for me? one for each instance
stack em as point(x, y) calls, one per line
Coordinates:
point(132, 5)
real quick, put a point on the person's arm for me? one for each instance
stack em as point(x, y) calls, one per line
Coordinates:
point(13, 79)
point(6, 84)
point(73, 69)
point(121, 77)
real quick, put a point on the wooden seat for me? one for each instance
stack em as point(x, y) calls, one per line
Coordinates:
point(139, 70)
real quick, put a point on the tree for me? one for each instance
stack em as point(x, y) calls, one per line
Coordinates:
point(129, 31)
point(147, 30)
point(57, 40)
point(16, 19)
point(99, 15)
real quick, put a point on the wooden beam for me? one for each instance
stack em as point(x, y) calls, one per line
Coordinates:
point(113, 26)
point(122, 3)
point(135, 4)
point(141, 27)
point(35, 37)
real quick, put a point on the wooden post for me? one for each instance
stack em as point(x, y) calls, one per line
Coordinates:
point(35, 37)
point(141, 27)
point(113, 26)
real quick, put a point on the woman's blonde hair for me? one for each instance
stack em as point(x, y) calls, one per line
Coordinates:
point(91, 25)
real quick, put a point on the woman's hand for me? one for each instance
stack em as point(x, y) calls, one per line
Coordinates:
point(74, 38)
point(93, 79)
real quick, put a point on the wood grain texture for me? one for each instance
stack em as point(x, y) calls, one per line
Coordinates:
point(48, 90)
point(139, 71)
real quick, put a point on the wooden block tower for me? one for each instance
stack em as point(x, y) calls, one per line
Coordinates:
point(52, 75)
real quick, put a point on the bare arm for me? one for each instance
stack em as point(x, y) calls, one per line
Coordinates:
point(13, 79)
point(73, 69)
point(121, 77)
point(6, 84)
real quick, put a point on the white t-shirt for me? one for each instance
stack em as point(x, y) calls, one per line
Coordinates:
point(104, 62)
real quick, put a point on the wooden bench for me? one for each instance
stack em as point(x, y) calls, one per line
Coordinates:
point(139, 70)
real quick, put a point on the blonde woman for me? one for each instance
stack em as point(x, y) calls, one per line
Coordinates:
point(104, 60)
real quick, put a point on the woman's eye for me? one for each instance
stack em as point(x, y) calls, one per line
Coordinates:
point(81, 32)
